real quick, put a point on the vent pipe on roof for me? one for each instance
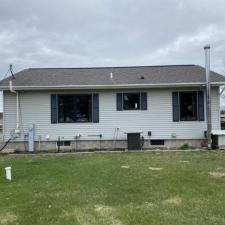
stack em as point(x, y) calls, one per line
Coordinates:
point(208, 95)
point(111, 75)
point(11, 70)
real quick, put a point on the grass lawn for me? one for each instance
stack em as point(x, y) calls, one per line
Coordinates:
point(114, 188)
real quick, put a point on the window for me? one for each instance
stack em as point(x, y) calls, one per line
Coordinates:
point(63, 143)
point(188, 106)
point(83, 108)
point(66, 109)
point(157, 142)
point(131, 101)
point(74, 108)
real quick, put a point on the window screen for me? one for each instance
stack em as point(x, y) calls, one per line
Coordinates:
point(188, 106)
point(74, 108)
point(66, 107)
point(131, 101)
point(83, 108)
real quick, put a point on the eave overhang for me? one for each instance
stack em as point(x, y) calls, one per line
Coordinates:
point(116, 86)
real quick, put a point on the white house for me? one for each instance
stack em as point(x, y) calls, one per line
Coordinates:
point(100, 108)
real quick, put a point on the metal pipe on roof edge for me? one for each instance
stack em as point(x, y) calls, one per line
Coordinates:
point(208, 95)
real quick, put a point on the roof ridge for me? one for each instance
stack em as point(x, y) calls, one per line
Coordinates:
point(110, 67)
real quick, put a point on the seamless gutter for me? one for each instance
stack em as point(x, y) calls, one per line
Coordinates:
point(113, 86)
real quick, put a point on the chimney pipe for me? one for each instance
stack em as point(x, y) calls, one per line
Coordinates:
point(208, 95)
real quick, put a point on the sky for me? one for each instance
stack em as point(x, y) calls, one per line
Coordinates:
point(72, 33)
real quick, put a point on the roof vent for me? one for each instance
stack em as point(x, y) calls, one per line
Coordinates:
point(111, 75)
point(142, 77)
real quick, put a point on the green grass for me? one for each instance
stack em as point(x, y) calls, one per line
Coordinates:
point(94, 189)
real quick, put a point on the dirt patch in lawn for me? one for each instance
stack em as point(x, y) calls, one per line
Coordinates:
point(106, 213)
point(125, 167)
point(217, 174)
point(174, 200)
point(220, 168)
point(80, 215)
point(155, 168)
point(102, 209)
point(184, 161)
point(58, 194)
point(145, 205)
point(8, 217)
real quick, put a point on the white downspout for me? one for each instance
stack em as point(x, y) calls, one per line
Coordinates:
point(17, 106)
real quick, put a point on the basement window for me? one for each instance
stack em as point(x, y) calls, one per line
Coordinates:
point(74, 108)
point(188, 106)
point(157, 142)
point(131, 101)
point(63, 143)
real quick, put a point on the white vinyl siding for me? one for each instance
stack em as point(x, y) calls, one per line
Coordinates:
point(36, 109)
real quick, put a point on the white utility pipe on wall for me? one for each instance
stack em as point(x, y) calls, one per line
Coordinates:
point(17, 106)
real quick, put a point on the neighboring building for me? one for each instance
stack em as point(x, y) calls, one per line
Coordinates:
point(92, 108)
point(222, 119)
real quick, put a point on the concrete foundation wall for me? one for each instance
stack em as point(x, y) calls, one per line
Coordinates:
point(96, 145)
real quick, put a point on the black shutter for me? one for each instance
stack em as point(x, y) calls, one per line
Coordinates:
point(95, 108)
point(54, 108)
point(176, 110)
point(201, 113)
point(144, 103)
point(119, 101)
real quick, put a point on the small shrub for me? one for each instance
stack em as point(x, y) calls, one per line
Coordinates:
point(184, 147)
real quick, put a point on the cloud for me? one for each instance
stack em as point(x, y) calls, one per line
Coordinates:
point(110, 33)
point(186, 47)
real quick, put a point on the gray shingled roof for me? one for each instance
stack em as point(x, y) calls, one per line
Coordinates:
point(146, 75)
